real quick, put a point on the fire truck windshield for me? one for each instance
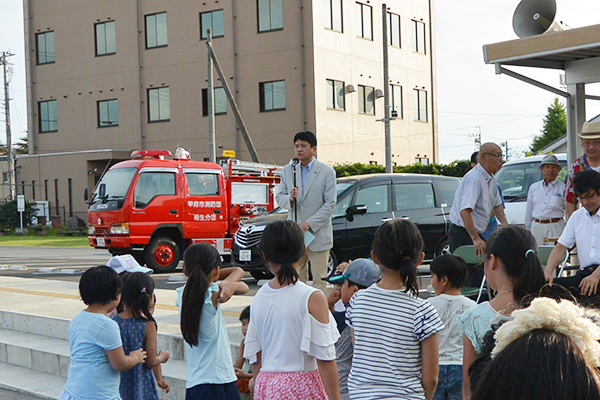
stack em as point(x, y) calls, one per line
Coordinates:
point(111, 190)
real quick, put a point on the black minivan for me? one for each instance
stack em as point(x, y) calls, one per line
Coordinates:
point(364, 202)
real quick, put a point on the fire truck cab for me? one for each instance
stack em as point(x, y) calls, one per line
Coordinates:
point(154, 208)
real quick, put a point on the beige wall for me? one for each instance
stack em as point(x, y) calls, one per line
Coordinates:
point(304, 54)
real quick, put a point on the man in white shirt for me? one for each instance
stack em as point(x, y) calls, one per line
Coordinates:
point(475, 198)
point(582, 228)
point(545, 212)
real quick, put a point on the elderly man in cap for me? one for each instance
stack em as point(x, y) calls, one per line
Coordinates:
point(590, 141)
point(545, 212)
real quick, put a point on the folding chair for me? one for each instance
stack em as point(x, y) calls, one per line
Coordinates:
point(467, 252)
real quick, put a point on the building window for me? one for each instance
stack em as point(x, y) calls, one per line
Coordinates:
point(159, 104)
point(220, 102)
point(333, 15)
point(45, 47)
point(364, 21)
point(420, 105)
point(108, 113)
point(396, 100)
point(214, 21)
point(394, 30)
point(270, 15)
point(156, 30)
point(366, 100)
point(48, 116)
point(418, 34)
point(5, 177)
point(335, 95)
point(106, 38)
point(272, 96)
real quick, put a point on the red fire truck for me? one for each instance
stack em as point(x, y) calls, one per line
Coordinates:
point(154, 208)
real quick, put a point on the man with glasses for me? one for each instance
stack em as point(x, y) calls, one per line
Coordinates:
point(590, 141)
point(583, 229)
point(476, 197)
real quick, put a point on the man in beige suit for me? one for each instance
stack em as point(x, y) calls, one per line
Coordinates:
point(311, 202)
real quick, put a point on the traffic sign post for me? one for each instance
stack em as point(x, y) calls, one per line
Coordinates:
point(21, 207)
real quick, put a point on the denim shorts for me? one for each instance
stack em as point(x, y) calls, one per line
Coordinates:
point(450, 383)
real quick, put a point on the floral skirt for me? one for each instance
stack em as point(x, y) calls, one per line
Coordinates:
point(289, 385)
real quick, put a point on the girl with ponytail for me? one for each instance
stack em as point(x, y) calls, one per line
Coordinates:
point(291, 337)
point(210, 373)
point(138, 329)
point(513, 271)
point(395, 332)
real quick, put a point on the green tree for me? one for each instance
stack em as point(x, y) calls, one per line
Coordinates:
point(555, 126)
point(22, 147)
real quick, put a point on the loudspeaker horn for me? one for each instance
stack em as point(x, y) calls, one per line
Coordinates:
point(535, 17)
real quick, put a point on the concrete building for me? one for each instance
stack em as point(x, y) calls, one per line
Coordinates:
point(107, 77)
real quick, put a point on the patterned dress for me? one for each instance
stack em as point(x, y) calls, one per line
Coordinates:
point(138, 382)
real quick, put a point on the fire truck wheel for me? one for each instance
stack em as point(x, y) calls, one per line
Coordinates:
point(162, 255)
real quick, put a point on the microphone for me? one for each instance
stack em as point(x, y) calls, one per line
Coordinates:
point(295, 162)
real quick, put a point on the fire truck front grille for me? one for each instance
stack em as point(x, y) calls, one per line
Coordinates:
point(101, 231)
point(248, 236)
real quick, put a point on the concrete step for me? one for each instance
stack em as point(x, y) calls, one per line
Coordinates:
point(44, 355)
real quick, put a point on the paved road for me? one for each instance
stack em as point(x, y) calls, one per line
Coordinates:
point(6, 394)
point(67, 264)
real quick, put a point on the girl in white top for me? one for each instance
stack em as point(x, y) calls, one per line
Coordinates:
point(291, 336)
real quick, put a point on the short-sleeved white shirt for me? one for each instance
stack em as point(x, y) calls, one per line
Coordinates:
point(584, 230)
point(478, 191)
point(545, 201)
point(450, 307)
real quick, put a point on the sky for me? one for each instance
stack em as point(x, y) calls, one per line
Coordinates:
point(469, 94)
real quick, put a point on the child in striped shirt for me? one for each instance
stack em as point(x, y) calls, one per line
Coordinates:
point(395, 332)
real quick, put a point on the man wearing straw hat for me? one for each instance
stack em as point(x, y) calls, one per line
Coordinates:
point(590, 141)
point(545, 212)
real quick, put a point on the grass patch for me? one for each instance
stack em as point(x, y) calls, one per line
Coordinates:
point(52, 241)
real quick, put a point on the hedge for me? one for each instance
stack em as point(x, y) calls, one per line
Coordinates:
point(456, 168)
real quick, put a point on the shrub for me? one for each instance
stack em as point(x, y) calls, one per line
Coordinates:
point(456, 168)
point(9, 216)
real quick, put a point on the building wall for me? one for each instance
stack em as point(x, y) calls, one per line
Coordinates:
point(347, 135)
point(304, 54)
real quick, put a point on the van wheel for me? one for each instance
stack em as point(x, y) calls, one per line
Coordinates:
point(162, 255)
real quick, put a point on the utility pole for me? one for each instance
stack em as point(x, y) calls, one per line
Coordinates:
point(212, 153)
point(477, 137)
point(505, 145)
point(9, 149)
point(386, 95)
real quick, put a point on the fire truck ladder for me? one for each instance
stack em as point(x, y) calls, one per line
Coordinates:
point(237, 168)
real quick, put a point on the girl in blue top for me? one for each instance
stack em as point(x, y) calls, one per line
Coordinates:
point(97, 353)
point(138, 329)
point(210, 367)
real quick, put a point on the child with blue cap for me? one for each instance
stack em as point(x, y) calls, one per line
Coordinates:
point(359, 274)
